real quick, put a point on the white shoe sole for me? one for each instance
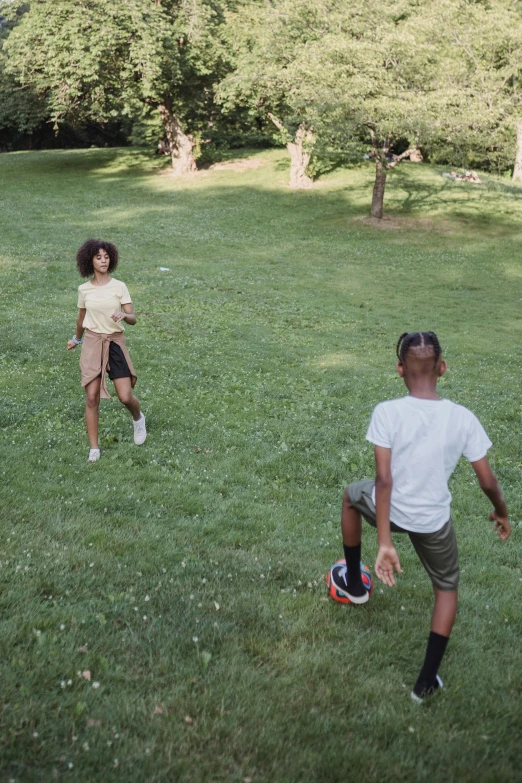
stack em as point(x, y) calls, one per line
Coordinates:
point(420, 699)
point(355, 599)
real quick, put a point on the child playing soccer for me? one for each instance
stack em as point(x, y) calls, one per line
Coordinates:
point(418, 441)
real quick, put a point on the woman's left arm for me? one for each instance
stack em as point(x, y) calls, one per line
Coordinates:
point(128, 315)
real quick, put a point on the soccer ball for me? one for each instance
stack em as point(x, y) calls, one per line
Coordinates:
point(367, 580)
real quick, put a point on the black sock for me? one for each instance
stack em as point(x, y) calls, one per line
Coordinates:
point(352, 555)
point(435, 650)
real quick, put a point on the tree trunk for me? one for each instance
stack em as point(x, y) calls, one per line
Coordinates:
point(181, 144)
point(379, 185)
point(299, 157)
point(517, 171)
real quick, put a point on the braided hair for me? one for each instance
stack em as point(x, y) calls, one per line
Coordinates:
point(409, 340)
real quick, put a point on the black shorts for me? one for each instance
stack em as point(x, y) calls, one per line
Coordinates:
point(117, 366)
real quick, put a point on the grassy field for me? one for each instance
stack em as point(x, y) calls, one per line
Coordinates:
point(186, 577)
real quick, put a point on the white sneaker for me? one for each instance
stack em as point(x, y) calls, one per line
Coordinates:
point(140, 431)
point(94, 455)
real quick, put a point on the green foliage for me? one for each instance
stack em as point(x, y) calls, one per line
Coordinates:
point(268, 44)
point(443, 75)
point(480, 70)
point(91, 60)
point(147, 129)
point(101, 61)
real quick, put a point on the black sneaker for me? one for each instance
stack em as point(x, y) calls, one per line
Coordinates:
point(357, 594)
point(419, 694)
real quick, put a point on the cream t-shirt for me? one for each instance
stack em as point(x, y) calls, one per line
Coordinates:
point(101, 302)
point(427, 439)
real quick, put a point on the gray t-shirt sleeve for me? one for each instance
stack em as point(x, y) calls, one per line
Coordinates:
point(477, 443)
point(379, 430)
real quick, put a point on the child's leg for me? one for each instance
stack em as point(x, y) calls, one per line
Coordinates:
point(439, 554)
point(444, 611)
point(442, 620)
point(349, 580)
point(351, 524)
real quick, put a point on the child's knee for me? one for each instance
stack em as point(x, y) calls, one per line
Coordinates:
point(451, 596)
point(346, 498)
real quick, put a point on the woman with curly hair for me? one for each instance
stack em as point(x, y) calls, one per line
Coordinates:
point(104, 304)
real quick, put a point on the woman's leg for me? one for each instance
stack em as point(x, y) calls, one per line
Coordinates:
point(124, 391)
point(92, 407)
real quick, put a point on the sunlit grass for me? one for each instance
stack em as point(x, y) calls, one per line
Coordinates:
point(187, 575)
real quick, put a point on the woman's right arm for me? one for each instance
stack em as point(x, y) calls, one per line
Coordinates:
point(79, 329)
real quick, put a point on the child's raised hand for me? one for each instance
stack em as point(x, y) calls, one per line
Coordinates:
point(501, 525)
point(387, 560)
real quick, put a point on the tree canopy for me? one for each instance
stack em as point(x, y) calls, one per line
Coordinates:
point(332, 78)
point(96, 61)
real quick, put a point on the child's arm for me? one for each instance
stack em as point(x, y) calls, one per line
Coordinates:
point(387, 557)
point(490, 487)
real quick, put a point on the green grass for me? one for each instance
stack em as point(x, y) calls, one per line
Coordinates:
point(187, 575)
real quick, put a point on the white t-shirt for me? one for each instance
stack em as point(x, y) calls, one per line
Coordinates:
point(102, 301)
point(427, 439)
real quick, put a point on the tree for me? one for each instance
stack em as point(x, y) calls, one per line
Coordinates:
point(97, 61)
point(332, 73)
point(475, 47)
point(375, 78)
point(484, 66)
point(20, 108)
point(364, 72)
point(268, 45)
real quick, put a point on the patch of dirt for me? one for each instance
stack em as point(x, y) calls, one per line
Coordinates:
point(243, 164)
point(391, 223)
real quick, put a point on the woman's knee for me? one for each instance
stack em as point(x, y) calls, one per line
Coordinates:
point(125, 397)
point(92, 399)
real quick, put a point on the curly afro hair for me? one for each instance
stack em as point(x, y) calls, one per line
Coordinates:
point(87, 252)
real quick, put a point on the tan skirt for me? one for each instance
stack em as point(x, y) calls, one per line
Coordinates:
point(95, 357)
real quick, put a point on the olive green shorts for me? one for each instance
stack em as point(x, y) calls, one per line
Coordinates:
point(437, 551)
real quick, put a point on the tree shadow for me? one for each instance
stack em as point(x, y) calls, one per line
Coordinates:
point(491, 209)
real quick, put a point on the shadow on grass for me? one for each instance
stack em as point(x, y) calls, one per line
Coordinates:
point(417, 194)
point(127, 189)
